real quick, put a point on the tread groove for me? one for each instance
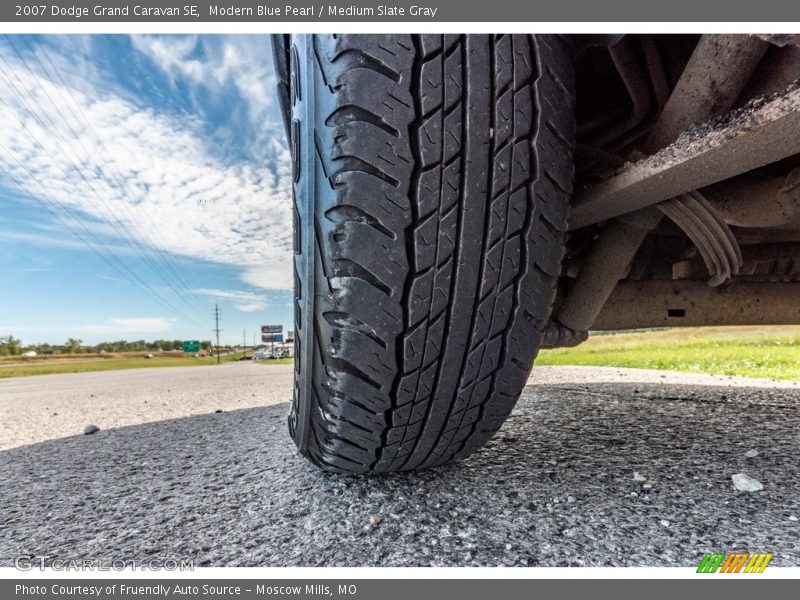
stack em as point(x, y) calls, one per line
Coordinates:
point(435, 183)
point(349, 113)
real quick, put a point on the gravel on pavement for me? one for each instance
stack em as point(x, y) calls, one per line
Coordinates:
point(590, 470)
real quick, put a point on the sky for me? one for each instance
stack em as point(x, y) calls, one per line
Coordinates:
point(143, 179)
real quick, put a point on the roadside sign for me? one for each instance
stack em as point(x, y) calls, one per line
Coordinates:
point(191, 346)
point(271, 329)
point(272, 338)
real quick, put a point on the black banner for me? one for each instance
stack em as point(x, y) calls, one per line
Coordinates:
point(395, 589)
point(494, 11)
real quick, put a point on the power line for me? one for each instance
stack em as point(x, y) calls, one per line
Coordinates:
point(120, 179)
point(108, 253)
point(46, 151)
point(108, 257)
point(113, 220)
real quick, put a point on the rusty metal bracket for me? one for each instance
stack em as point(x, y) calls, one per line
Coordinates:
point(757, 135)
point(664, 303)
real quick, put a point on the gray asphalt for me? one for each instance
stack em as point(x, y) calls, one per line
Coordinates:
point(555, 487)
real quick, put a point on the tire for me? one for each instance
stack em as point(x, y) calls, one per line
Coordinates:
point(432, 182)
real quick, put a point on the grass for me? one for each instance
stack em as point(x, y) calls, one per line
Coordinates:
point(767, 352)
point(276, 361)
point(770, 352)
point(91, 362)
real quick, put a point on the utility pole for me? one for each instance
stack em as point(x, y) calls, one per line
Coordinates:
point(244, 343)
point(216, 328)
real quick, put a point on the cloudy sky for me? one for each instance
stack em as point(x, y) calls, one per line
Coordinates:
point(142, 180)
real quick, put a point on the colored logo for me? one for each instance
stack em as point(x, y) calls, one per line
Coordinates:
point(734, 562)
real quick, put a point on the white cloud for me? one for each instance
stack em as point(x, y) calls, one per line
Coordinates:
point(266, 276)
point(213, 67)
point(126, 326)
point(213, 62)
point(151, 175)
point(242, 300)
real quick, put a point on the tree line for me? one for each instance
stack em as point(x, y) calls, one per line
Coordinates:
point(11, 346)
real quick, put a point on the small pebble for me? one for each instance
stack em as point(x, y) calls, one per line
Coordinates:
point(751, 453)
point(374, 520)
point(664, 522)
point(219, 410)
point(647, 486)
point(792, 518)
point(90, 429)
point(745, 483)
point(639, 477)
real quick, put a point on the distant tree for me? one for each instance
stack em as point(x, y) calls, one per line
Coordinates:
point(119, 346)
point(10, 346)
point(73, 345)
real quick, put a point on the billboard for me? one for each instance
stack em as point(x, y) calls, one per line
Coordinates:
point(191, 346)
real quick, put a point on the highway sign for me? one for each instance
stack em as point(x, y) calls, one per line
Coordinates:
point(191, 346)
point(271, 329)
point(272, 338)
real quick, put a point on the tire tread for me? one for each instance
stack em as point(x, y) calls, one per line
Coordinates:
point(436, 194)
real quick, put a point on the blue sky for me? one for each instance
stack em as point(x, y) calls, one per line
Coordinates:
point(142, 180)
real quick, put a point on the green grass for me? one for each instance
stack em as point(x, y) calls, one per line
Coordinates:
point(93, 363)
point(769, 352)
point(276, 361)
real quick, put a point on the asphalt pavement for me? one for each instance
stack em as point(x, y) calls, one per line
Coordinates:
point(588, 471)
point(43, 407)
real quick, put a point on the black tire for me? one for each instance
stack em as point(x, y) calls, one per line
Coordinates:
point(432, 181)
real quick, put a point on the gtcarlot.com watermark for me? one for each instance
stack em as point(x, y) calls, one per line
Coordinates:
point(30, 563)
